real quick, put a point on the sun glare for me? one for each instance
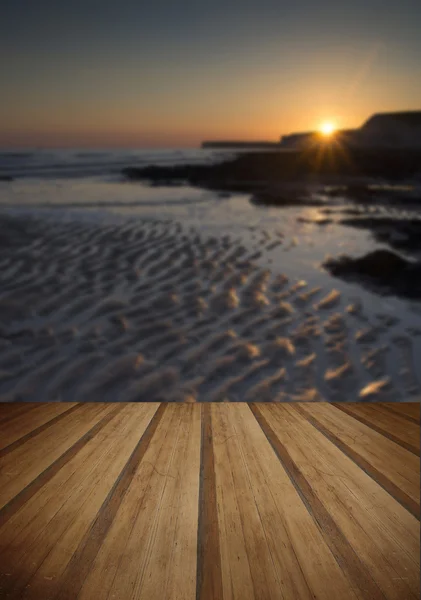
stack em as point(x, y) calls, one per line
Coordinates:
point(327, 128)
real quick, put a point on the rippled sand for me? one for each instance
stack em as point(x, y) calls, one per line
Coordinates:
point(148, 311)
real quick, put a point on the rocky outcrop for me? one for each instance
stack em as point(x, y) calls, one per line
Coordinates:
point(383, 130)
point(385, 271)
point(403, 234)
point(263, 170)
point(399, 129)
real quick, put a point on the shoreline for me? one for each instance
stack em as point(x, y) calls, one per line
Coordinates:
point(152, 310)
point(251, 172)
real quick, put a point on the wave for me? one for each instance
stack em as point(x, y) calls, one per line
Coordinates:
point(16, 155)
point(43, 164)
point(88, 154)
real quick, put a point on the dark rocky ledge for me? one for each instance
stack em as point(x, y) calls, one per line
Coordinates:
point(260, 171)
point(402, 234)
point(383, 271)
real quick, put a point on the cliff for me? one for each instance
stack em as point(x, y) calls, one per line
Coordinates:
point(383, 130)
point(260, 170)
point(400, 129)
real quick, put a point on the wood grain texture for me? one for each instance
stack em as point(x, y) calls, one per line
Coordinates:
point(89, 545)
point(392, 466)
point(9, 411)
point(393, 426)
point(47, 467)
point(23, 428)
point(261, 513)
point(357, 573)
point(153, 501)
point(407, 410)
point(209, 574)
point(57, 520)
point(141, 536)
point(378, 522)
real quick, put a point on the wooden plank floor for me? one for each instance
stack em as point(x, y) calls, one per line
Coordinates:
point(209, 502)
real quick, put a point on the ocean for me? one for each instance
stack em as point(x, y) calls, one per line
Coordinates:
point(75, 163)
point(222, 298)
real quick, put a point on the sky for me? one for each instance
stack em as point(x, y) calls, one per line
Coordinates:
point(171, 73)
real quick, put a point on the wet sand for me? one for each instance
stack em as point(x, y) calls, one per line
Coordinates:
point(152, 310)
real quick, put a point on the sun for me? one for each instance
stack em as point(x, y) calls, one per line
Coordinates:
point(327, 128)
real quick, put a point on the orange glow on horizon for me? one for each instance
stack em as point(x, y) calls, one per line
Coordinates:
point(327, 128)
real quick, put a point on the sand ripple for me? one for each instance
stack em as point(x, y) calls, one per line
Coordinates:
point(149, 311)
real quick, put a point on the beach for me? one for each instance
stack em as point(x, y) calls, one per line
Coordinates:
point(122, 291)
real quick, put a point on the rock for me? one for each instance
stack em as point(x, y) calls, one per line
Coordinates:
point(398, 233)
point(382, 269)
point(380, 264)
point(258, 171)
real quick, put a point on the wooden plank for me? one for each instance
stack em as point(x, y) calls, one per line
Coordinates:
point(394, 427)
point(154, 501)
point(57, 486)
point(393, 467)
point(122, 562)
point(170, 569)
point(26, 426)
point(9, 410)
point(181, 582)
point(237, 569)
point(272, 548)
point(40, 540)
point(381, 533)
point(345, 555)
point(28, 462)
point(209, 576)
point(129, 532)
point(408, 410)
point(16, 424)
